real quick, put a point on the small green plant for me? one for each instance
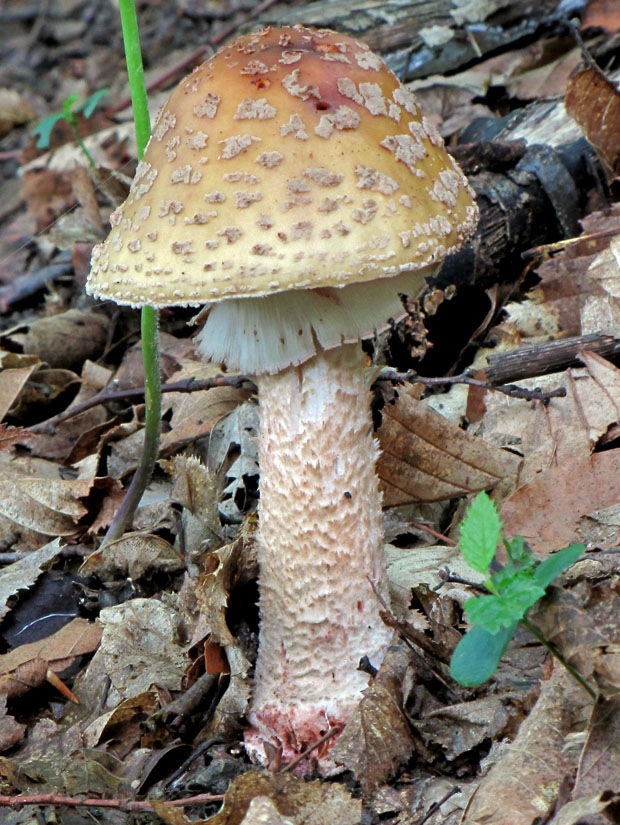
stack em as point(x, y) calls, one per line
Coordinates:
point(69, 111)
point(512, 590)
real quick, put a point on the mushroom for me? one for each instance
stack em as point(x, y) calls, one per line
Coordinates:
point(293, 187)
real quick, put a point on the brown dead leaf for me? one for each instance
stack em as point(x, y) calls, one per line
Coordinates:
point(594, 102)
point(63, 341)
point(584, 623)
point(547, 511)
point(54, 755)
point(135, 555)
point(604, 14)
point(194, 414)
point(11, 731)
point(581, 810)
point(77, 437)
point(378, 738)
point(197, 490)
point(459, 728)
point(24, 573)
point(305, 803)
point(84, 182)
point(10, 436)
point(562, 429)
point(26, 666)
point(599, 766)
point(140, 647)
point(518, 789)
point(14, 109)
point(50, 507)
point(47, 194)
point(424, 457)
point(45, 388)
point(124, 722)
point(15, 370)
point(223, 567)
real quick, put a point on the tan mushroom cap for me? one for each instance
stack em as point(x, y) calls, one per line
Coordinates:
point(292, 159)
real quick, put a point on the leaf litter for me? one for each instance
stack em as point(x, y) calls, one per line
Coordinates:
point(168, 613)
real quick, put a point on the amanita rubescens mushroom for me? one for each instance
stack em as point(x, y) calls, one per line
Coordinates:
point(292, 185)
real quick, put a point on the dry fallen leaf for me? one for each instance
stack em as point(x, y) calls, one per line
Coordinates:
point(62, 341)
point(378, 738)
point(15, 370)
point(11, 731)
point(75, 438)
point(14, 109)
point(197, 490)
point(134, 555)
point(584, 623)
point(524, 782)
point(424, 457)
point(140, 647)
point(581, 810)
point(223, 567)
point(50, 507)
point(23, 574)
point(26, 666)
point(594, 101)
point(459, 728)
point(599, 766)
point(547, 511)
point(194, 414)
point(306, 803)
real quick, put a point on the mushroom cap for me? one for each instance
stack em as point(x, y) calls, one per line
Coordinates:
point(292, 159)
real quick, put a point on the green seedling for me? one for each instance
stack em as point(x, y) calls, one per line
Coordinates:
point(512, 590)
point(149, 316)
point(69, 111)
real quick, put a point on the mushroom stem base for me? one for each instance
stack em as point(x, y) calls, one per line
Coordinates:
point(320, 547)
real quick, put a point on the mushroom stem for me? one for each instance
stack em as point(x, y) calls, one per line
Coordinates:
point(320, 546)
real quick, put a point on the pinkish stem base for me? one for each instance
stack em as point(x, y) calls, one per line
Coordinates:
point(320, 542)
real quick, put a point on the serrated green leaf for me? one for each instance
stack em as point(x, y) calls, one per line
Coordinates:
point(522, 593)
point(91, 102)
point(478, 654)
point(488, 612)
point(480, 533)
point(519, 552)
point(44, 129)
point(550, 568)
point(498, 611)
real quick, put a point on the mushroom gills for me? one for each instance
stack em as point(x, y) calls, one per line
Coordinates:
point(265, 335)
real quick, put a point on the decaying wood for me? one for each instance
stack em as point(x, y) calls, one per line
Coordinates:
point(547, 357)
point(418, 38)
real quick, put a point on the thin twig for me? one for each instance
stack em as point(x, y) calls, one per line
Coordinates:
point(437, 805)
point(426, 528)
point(512, 390)
point(292, 765)
point(103, 397)
point(120, 804)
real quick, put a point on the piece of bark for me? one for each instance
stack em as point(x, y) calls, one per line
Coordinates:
point(425, 37)
point(548, 357)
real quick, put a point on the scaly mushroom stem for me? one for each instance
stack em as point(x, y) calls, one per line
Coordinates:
point(320, 541)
